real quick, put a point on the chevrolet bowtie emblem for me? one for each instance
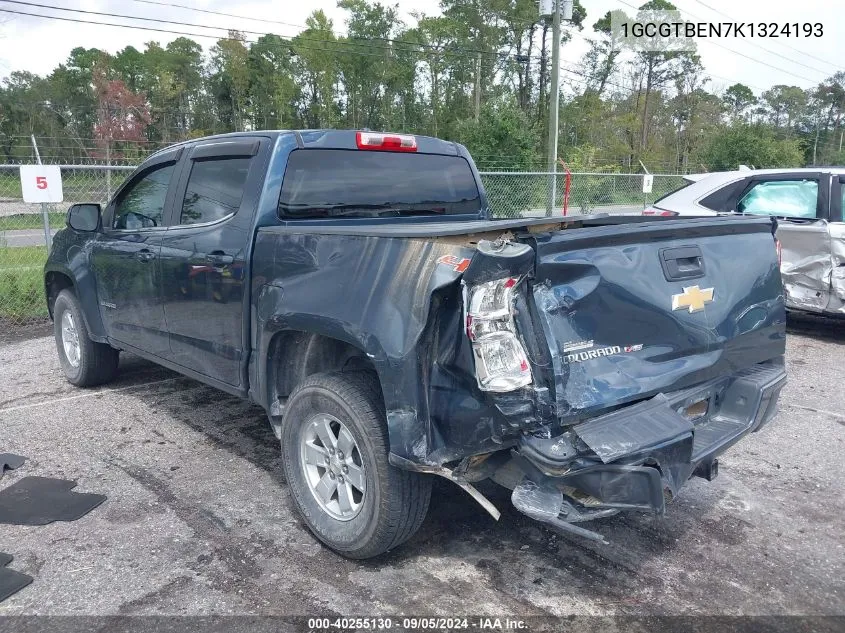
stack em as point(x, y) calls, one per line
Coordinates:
point(693, 298)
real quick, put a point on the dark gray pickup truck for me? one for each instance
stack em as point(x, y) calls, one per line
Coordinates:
point(355, 286)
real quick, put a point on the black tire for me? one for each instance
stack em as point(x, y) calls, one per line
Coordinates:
point(97, 361)
point(395, 502)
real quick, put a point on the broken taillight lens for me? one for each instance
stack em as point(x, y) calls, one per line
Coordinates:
point(501, 363)
point(779, 250)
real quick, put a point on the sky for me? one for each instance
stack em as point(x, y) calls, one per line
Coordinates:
point(39, 45)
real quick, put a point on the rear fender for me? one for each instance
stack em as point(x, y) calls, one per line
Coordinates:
point(398, 300)
point(69, 257)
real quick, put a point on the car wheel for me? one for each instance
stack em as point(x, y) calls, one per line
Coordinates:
point(84, 362)
point(335, 454)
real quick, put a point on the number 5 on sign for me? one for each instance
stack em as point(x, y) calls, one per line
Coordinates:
point(41, 183)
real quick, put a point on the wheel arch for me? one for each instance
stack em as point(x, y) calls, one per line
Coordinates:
point(294, 354)
point(54, 282)
point(58, 279)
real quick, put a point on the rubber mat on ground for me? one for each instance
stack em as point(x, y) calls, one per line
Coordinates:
point(10, 581)
point(10, 461)
point(42, 500)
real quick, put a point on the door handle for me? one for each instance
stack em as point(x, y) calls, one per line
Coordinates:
point(219, 259)
point(145, 255)
point(685, 262)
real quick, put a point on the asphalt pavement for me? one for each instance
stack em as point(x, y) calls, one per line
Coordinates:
point(198, 518)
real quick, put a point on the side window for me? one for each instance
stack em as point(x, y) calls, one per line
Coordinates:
point(141, 205)
point(215, 189)
point(725, 198)
point(787, 198)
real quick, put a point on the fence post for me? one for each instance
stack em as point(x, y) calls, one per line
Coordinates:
point(45, 216)
point(108, 171)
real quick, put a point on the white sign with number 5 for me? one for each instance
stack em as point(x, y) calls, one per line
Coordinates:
point(41, 183)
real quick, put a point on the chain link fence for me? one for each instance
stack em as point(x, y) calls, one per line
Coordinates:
point(23, 248)
point(524, 194)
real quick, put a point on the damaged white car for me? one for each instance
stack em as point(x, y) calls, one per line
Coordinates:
point(808, 203)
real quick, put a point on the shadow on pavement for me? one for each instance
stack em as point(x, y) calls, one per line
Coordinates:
point(830, 329)
point(455, 526)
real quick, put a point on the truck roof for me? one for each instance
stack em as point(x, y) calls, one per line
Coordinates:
point(333, 139)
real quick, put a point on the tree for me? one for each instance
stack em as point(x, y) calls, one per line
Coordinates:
point(600, 61)
point(502, 130)
point(654, 69)
point(369, 81)
point(272, 90)
point(737, 99)
point(315, 68)
point(230, 80)
point(744, 144)
point(784, 105)
point(449, 75)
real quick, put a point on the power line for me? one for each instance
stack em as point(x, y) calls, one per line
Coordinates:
point(723, 14)
point(186, 33)
point(474, 51)
point(347, 42)
point(766, 50)
point(220, 13)
point(131, 17)
point(735, 52)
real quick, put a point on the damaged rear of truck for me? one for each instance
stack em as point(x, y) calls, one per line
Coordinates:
point(591, 365)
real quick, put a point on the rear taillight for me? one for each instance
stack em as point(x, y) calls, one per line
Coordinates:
point(663, 212)
point(386, 142)
point(501, 363)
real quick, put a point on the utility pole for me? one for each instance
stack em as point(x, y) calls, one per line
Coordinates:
point(477, 87)
point(559, 7)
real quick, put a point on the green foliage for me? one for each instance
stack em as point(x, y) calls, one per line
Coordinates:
point(737, 99)
point(22, 283)
point(756, 145)
point(502, 129)
point(450, 75)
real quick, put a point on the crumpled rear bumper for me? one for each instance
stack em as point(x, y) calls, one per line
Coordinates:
point(639, 456)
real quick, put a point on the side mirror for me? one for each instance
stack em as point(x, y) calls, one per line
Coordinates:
point(84, 217)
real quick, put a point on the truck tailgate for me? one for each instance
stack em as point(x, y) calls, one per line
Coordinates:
point(630, 311)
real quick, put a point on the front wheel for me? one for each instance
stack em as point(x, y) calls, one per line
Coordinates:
point(335, 455)
point(84, 362)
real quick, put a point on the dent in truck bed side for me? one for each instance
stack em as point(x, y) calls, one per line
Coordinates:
point(398, 301)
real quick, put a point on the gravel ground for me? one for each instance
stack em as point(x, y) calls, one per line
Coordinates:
point(199, 521)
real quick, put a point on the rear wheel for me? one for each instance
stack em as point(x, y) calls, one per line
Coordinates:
point(84, 362)
point(335, 449)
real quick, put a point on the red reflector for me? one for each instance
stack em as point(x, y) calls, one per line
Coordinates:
point(510, 283)
point(386, 142)
point(661, 212)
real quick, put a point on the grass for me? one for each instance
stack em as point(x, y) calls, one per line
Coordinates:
point(22, 283)
point(20, 221)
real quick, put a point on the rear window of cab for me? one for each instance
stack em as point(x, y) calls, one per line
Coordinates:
point(330, 183)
